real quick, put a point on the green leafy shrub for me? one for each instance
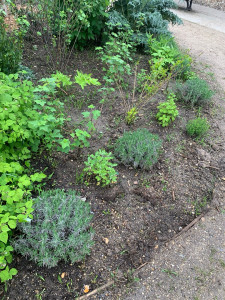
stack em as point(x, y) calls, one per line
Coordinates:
point(143, 17)
point(197, 127)
point(11, 45)
point(100, 167)
point(116, 55)
point(194, 91)
point(59, 229)
point(139, 148)
point(66, 24)
point(167, 111)
point(166, 50)
point(30, 117)
point(15, 206)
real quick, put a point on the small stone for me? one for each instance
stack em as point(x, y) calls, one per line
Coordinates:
point(136, 182)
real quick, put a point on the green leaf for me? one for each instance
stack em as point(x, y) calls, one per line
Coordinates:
point(4, 237)
point(12, 224)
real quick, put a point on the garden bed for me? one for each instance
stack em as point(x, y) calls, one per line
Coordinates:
point(139, 213)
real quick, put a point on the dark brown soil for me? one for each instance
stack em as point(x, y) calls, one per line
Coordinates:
point(142, 211)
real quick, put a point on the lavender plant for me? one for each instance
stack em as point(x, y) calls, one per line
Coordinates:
point(60, 229)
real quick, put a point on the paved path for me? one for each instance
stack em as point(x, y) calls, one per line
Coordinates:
point(193, 266)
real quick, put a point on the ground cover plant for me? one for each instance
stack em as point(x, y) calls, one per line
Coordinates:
point(110, 148)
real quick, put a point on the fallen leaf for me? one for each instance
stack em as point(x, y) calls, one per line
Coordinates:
point(106, 240)
point(86, 288)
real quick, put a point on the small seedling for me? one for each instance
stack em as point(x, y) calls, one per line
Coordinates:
point(170, 272)
point(106, 212)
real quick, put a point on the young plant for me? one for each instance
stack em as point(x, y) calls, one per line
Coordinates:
point(197, 127)
point(167, 111)
point(116, 55)
point(63, 219)
point(139, 148)
point(131, 116)
point(100, 167)
point(194, 91)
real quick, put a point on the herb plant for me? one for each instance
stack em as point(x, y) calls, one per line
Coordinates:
point(60, 229)
point(131, 116)
point(197, 127)
point(100, 167)
point(194, 91)
point(167, 111)
point(139, 148)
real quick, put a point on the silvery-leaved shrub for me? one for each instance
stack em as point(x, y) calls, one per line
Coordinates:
point(194, 92)
point(138, 148)
point(60, 229)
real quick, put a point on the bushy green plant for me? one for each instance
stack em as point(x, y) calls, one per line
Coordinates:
point(139, 148)
point(167, 111)
point(59, 229)
point(166, 50)
point(30, 117)
point(143, 17)
point(65, 24)
point(100, 167)
point(131, 116)
point(194, 91)
point(197, 127)
point(116, 55)
point(11, 45)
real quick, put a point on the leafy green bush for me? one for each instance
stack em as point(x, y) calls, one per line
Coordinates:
point(167, 111)
point(194, 91)
point(30, 117)
point(116, 55)
point(142, 17)
point(67, 23)
point(100, 167)
point(197, 127)
point(59, 229)
point(10, 49)
point(166, 50)
point(139, 148)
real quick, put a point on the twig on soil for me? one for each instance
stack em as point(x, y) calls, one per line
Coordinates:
point(108, 284)
point(186, 228)
point(173, 195)
point(97, 290)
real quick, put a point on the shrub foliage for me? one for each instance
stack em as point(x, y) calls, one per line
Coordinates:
point(194, 91)
point(142, 17)
point(197, 127)
point(139, 148)
point(59, 229)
